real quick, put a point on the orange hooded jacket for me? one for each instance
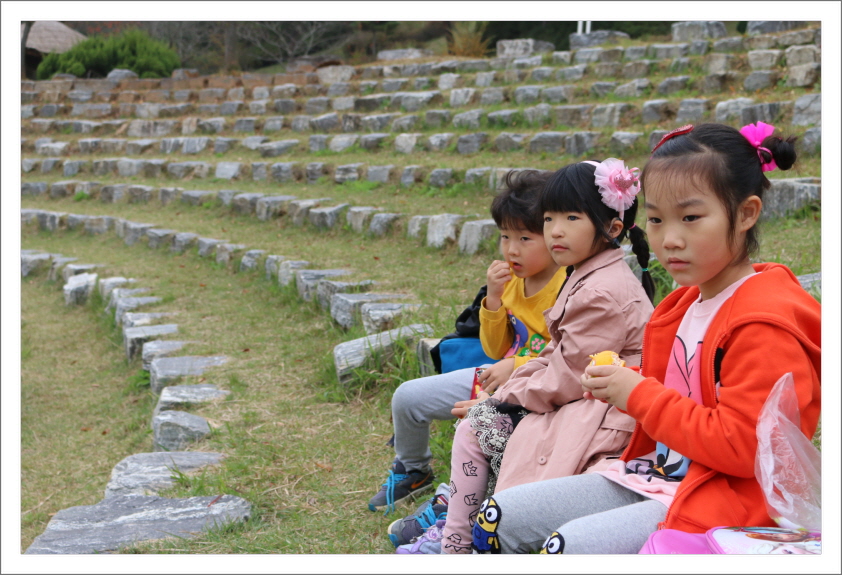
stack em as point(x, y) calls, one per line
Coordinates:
point(769, 327)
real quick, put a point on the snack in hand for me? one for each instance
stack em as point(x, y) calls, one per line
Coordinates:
point(606, 358)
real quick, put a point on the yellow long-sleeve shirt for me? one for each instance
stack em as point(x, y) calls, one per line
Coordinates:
point(518, 328)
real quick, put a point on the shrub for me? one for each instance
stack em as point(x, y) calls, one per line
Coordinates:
point(95, 57)
point(466, 39)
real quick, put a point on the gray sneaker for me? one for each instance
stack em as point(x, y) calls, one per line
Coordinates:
point(409, 528)
point(399, 485)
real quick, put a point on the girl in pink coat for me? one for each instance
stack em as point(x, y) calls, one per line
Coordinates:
point(537, 417)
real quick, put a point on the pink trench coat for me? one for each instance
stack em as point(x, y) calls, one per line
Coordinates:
point(602, 307)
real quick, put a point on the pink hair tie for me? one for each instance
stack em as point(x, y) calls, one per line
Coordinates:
point(632, 226)
point(618, 185)
point(755, 134)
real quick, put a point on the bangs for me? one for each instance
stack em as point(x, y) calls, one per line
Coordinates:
point(564, 194)
point(677, 173)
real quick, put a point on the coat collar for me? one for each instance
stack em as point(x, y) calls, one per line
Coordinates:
point(599, 261)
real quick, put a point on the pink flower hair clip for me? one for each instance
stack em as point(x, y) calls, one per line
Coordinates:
point(755, 134)
point(618, 185)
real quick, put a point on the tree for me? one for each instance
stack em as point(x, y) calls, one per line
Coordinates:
point(27, 26)
point(282, 41)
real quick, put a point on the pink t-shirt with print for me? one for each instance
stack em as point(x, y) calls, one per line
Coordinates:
point(658, 474)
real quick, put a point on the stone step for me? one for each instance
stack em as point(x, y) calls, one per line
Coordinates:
point(425, 360)
point(159, 348)
point(166, 370)
point(135, 337)
point(78, 288)
point(177, 430)
point(31, 264)
point(124, 520)
point(149, 473)
point(326, 289)
point(377, 317)
point(307, 280)
point(176, 396)
point(126, 304)
point(811, 282)
point(144, 318)
point(345, 307)
point(351, 355)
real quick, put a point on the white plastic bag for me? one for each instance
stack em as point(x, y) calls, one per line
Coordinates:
point(788, 466)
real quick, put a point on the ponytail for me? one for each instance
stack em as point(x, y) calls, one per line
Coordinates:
point(640, 248)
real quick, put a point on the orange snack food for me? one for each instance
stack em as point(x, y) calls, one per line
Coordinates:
point(606, 358)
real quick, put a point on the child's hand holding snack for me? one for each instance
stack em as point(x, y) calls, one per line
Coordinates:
point(460, 408)
point(498, 274)
point(609, 380)
point(492, 377)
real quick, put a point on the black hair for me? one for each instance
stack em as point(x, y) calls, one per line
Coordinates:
point(516, 207)
point(721, 157)
point(573, 189)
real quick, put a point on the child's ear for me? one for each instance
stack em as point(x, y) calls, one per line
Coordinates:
point(749, 213)
point(615, 228)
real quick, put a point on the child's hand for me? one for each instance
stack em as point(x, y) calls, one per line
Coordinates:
point(497, 374)
point(497, 275)
point(611, 383)
point(460, 408)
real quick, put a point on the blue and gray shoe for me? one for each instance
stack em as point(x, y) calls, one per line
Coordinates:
point(398, 486)
point(409, 528)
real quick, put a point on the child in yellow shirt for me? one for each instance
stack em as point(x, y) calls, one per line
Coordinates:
point(512, 329)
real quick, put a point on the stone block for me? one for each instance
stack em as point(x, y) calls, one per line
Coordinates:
point(158, 237)
point(633, 89)
point(547, 142)
point(803, 75)
point(140, 319)
point(807, 110)
point(573, 115)
point(207, 246)
point(492, 96)
point(379, 173)
point(484, 79)
point(768, 113)
point(697, 30)
point(471, 143)
point(345, 307)
point(149, 473)
point(358, 217)
point(462, 97)
point(33, 188)
point(245, 204)
point(352, 355)
point(764, 59)
point(417, 226)
point(381, 224)
point(326, 218)
point(811, 140)
point(274, 149)
point(90, 529)
point(287, 268)
point(692, 110)
point(372, 141)
point(317, 105)
point(474, 233)
point(557, 94)
point(673, 84)
point(411, 175)
point(307, 280)
point(655, 111)
point(439, 142)
point(435, 118)
point(637, 69)
point(107, 285)
point(441, 177)
point(251, 260)
point(126, 304)
point(728, 110)
point(668, 51)
point(315, 170)
point(621, 142)
point(98, 224)
point(348, 173)
point(326, 289)
point(134, 232)
point(300, 123)
point(732, 44)
point(470, 120)
point(135, 337)
point(33, 263)
point(182, 241)
point(799, 55)
point(414, 101)
point(755, 27)
point(506, 142)
point(610, 115)
point(796, 37)
point(78, 288)
point(283, 172)
point(405, 143)
point(325, 123)
point(228, 170)
point(393, 84)
point(788, 195)
point(760, 80)
point(269, 207)
point(140, 194)
point(404, 123)
point(579, 143)
point(442, 229)
point(177, 430)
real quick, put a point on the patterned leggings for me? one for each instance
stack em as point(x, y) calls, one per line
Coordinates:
point(470, 475)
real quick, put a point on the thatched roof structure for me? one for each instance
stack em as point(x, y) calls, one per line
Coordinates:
point(47, 37)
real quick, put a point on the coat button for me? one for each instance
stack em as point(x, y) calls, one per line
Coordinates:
point(542, 460)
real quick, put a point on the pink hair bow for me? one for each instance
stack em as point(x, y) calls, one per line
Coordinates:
point(755, 134)
point(618, 185)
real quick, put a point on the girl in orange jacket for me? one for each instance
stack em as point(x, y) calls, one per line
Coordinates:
point(712, 351)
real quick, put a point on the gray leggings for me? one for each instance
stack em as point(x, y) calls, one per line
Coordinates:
point(416, 403)
point(589, 514)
